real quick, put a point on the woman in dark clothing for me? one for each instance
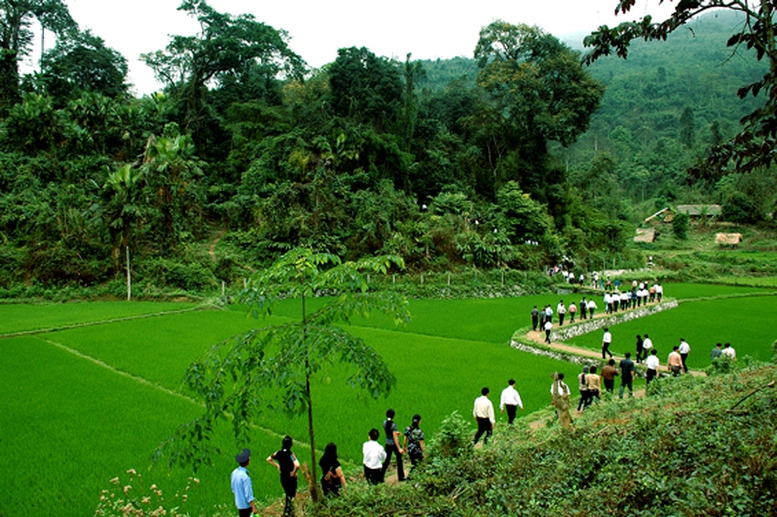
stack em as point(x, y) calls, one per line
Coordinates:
point(414, 443)
point(286, 463)
point(639, 349)
point(332, 478)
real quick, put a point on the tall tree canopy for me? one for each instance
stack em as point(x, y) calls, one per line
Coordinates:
point(16, 37)
point(754, 146)
point(83, 63)
point(541, 94)
point(537, 80)
point(365, 87)
point(227, 48)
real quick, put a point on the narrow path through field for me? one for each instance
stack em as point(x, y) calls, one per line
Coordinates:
point(212, 249)
point(539, 337)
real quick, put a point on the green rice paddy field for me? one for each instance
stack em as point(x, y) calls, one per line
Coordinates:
point(85, 404)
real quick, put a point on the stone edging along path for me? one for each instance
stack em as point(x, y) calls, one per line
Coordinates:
point(608, 320)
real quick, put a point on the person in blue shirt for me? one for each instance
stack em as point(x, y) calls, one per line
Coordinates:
point(241, 485)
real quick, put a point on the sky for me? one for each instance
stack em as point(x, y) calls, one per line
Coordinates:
point(428, 29)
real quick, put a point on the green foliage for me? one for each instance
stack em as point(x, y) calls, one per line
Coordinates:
point(34, 125)
point(451, 442)
point(191, 276)
point(538, 80)
point(738, 208)
point(749, 150)
point(722, 364)
point(365, 88)
point(228, 50)
point(680, 224)
point(82, 63)
point(540, 93)
point(16, 38)
point(363, 157)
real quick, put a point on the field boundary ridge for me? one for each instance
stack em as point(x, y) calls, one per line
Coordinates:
point(47, 330)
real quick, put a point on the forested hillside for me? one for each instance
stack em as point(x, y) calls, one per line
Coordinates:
point(515, 158)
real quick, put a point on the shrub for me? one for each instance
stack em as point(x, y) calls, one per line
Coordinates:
point(188, 276)
point(680, 226)
point(740, 209)
point(453, 440)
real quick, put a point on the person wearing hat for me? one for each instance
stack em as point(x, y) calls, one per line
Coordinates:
point(241, 485)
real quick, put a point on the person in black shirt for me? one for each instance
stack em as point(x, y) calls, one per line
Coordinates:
point(627, 375)
point(287, 464)
point(392, 445)
point(332, 478)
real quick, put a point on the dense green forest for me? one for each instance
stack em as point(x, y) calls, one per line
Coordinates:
point(514, 158)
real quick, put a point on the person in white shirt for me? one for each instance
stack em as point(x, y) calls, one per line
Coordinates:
point(607, 303)
point(684, 350)
point(548, 328)
point(624, 300)
point(647, 346)
point(511, 400)
point(652, 364)
point(591, 308)
point(659, 292)
point(606, 341)
point(374, 455)
point(562, 311)
point(484, 416)
point(729, 351)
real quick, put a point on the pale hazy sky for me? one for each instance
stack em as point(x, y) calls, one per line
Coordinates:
point(427, 28)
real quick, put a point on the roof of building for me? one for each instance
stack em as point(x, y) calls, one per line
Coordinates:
point(645, 235)
point(698, 210)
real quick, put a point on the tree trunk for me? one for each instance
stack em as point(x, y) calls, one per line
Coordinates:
point(9, 81)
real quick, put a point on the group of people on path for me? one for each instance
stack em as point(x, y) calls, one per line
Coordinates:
point(590, 383)
point(376, 460)
point(483, 410)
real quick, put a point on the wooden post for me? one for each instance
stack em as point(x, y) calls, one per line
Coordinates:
point(449, 278)
point(223, 289)
point(393, 279)
point(503, 278)
point(422, 279)
point(129, 277)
